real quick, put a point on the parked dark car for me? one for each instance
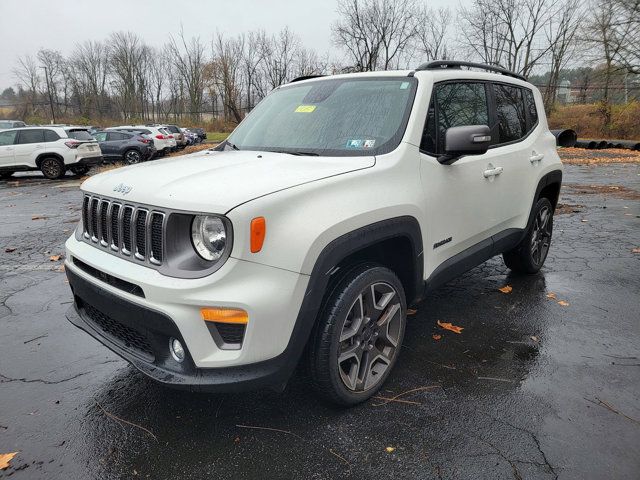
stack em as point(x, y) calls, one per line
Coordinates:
point(129, 147)
point(201, 133)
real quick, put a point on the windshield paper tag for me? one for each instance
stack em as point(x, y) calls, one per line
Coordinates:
point(404, 85)
point(357, 143)
point(305, 108)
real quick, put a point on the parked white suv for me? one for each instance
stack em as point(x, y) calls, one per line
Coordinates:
point(52, 150)
point(335, 204)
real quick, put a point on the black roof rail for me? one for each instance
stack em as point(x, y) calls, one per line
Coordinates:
point(438, 64)
point(305, 77)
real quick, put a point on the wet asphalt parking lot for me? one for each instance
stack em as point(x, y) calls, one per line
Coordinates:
point(531, 388)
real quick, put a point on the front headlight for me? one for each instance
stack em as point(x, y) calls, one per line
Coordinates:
point(209, 237)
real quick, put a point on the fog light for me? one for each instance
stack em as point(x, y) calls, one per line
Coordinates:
point(176, 349)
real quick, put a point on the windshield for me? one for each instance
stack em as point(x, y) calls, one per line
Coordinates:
point(333, 117)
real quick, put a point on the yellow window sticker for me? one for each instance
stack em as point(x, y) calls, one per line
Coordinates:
point(305, 108)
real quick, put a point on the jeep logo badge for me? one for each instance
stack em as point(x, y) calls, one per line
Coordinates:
point(122, 188)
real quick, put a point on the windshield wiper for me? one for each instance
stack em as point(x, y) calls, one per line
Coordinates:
point(232, 145)
point(298, 153)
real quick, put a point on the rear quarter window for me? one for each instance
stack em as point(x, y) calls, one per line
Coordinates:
point(51, 136)
point(79, 135)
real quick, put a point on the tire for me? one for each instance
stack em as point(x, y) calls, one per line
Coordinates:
point(131, 157)
point(6, 175)
point(52, 168)
point(530, 254)
point(80, 169)
point(367, 298)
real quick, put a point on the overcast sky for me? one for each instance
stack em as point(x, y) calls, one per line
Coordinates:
point(27, 25)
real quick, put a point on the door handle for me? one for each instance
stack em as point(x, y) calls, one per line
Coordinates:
point(493, 172)
point(536, 157)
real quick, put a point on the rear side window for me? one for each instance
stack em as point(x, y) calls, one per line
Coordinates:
point(172, 129)
point(118, 136)
point(453, 104)
point(7, 138)
point(510, 112)
point(31, 136)
point(50, 136)
point(100, 136)
point(79, 135)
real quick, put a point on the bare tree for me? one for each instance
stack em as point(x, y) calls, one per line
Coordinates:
point(189, 59)
point(227, 55)
point(509, 33)
point(432, 34)
point(29, 77)
point(277, 57)
point(561, 37)
point(376, 34)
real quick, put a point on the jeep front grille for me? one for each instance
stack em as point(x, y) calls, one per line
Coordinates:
point(131, 231)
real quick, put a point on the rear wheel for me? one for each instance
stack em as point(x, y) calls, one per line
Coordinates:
point(131, 157)
point(52, 168)
point(531, 252)
point(359, 335)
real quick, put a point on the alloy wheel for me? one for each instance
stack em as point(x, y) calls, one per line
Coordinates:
point(132, 157)
point(369, 337)
point(541, 238)
point(51, 168)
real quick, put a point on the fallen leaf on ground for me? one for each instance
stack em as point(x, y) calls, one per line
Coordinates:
point(390, 449)
point(54, 258)
point(506, 289)
point(5, 458)
point(551, 295)
point(61, 269)
point(635, 250)
point(534, 338)
point(9, 249)
point(411, 311)
point(38, 217)
point(436, 336)
point(450, 326)
point(563, 303)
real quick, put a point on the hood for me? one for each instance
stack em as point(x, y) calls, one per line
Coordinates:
point(216, 182)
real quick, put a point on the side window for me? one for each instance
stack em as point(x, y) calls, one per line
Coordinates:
point(114, 136)
point(453, 105)
point(7, 138)
point(510, 112)
point(31, 136)
point(100, 136)
point(531, 108)
point(50, 136)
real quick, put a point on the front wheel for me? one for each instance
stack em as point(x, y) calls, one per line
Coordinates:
point(358, 336)
point(531, 252)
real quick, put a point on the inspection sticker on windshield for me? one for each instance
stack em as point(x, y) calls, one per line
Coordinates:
point(305, 108)
point(358, 143)
point(404, 85)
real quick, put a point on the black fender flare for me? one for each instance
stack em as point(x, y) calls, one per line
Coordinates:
point(325, 268)
point(42, 156)
point(554, 176)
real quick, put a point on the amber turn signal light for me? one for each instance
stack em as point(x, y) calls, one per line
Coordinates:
point(225, 315)
point(258, 232)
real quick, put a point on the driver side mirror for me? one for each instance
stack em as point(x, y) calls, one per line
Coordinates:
point(465, 140)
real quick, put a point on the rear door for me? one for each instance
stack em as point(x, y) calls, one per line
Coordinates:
point(29, 145)
point(7, 148)
point(516, 152)
point(116, 142)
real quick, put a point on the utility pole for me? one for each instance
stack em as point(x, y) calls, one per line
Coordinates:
point(53, 113)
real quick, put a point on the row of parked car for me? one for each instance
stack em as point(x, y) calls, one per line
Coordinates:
point(56, 149)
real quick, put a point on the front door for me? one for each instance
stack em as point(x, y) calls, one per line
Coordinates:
point(462, 199)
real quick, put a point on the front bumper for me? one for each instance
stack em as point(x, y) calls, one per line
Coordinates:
point(170, 307)
point(153, 329)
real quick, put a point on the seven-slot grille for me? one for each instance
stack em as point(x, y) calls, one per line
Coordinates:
point(129, 230)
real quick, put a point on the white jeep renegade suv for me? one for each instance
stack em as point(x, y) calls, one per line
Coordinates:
point(335, 204)
point(51, 149)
